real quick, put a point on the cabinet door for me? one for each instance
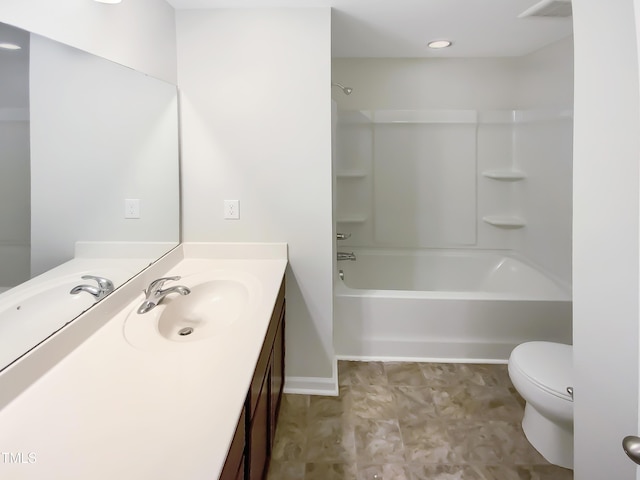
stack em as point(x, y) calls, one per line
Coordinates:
point(240, 475)
point(262, 366)
point(277, 377)
point(259, 448)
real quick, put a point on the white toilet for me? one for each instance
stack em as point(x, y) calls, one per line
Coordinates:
point(542, 373)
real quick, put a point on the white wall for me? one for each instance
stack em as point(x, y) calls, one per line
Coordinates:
point(544, 78)
point(139, 34)
point(606, 223)
point(100, 133)
point(256, 126)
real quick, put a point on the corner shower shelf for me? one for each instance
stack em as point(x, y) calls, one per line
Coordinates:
point(351, 174)
point(505, 175)
point(352, 219)
point(504, 221)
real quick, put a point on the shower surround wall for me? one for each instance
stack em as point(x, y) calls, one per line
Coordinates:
point(545, 151)
point(418, 141)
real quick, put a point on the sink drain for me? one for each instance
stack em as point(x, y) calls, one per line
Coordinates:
point(183, 332)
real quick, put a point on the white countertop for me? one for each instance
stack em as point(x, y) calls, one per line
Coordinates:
point(110, 410)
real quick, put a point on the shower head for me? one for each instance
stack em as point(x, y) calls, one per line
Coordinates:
point(346, 90)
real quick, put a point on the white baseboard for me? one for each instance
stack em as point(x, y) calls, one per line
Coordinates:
point(312, 385)
point(379, 358)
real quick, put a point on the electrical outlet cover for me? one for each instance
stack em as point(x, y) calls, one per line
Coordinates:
point(232, 209)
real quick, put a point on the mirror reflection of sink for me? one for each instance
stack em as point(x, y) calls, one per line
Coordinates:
point(34, 310)
point(27, 318)
point(217, 301)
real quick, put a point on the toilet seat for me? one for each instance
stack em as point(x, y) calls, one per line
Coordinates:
point(548, 366)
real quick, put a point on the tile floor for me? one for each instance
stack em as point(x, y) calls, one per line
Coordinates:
point(409, 421)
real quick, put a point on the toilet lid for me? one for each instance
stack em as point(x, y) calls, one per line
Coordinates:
point(548, 365)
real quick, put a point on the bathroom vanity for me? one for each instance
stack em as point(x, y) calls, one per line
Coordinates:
point(118, 394)
point(253, 439)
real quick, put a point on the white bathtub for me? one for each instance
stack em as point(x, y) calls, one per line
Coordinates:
point(442, 305)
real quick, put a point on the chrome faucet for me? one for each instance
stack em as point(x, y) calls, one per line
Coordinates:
point(346, 256)
point(104, 287)
point(154, 293)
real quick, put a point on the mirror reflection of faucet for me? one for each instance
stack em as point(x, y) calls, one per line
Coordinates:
point(154, 293)
point(104, 287)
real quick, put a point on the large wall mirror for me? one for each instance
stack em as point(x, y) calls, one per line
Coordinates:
point(89, 183)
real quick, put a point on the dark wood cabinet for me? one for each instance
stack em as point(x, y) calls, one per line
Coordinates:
point(260, 439)
point(277, 377)
point(240, 475)
point(249, 460)
point(234, 465)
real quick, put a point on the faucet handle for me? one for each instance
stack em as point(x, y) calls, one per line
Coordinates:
point(342, 236)
point(103, 283)
point(158, 283)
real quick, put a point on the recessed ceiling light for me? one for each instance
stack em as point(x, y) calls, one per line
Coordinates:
point(439, 44)
point(9, 46)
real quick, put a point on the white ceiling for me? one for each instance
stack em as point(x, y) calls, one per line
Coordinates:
point(402, 28)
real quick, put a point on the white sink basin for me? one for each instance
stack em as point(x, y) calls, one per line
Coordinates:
point(209, 308)
point(218, 300)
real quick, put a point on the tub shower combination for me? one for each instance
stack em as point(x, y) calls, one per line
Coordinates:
point(444, 305)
